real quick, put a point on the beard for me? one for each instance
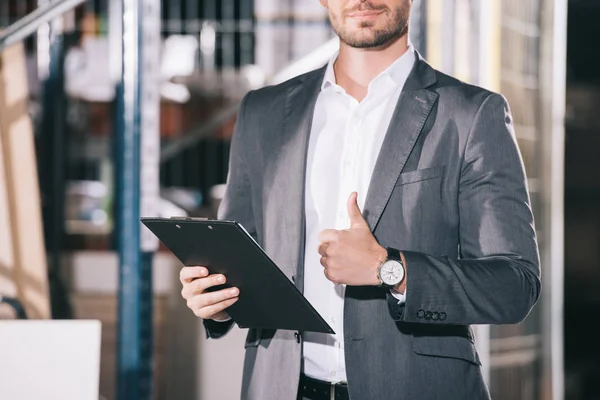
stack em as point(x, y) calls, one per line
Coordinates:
point(366, 35)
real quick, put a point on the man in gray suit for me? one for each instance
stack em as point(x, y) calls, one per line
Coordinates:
point(445, 238)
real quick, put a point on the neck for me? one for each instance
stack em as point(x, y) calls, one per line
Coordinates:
point(356, 68)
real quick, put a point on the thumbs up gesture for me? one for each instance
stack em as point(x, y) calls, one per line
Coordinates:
point(351, 256)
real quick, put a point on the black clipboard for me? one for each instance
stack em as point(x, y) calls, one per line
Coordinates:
point(268, 299)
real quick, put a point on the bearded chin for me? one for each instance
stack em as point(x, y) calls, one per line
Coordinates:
point(374, 38)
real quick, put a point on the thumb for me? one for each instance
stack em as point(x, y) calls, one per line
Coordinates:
point(356, 218)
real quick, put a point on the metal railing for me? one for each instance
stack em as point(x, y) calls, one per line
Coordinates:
point(29, 24)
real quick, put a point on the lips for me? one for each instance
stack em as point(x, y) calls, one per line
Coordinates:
point(364, 13)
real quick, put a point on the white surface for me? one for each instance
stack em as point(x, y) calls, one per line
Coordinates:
point(49, 360)
point(179, 56)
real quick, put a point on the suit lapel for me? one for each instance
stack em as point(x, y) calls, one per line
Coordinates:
point(411, 112)
point(298, 115)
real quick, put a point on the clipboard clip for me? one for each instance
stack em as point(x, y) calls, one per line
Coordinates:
point(193, 218)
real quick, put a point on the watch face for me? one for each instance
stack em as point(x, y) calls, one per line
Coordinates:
point(391, 273)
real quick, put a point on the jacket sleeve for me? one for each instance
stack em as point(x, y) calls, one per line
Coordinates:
point(496, 278)
point(236, 204)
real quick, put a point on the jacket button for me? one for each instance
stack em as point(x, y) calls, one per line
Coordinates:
point(435, 316)
point(428, 315)
point(297, 337)
point(442, 316)
point(420, 314)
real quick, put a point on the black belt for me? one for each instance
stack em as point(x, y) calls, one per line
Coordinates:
point(315, 389)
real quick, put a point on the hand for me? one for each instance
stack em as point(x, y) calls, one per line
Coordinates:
point(206, 305)
point(351, 256)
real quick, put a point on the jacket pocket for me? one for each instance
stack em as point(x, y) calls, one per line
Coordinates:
point(253, 338)
point(446, 346)
point(420, 175)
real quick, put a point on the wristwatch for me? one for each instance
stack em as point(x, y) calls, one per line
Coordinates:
point(391, 271)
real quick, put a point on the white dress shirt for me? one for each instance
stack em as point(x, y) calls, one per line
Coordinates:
point(345, 140)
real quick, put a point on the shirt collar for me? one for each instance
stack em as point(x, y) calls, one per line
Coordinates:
point(398, 71)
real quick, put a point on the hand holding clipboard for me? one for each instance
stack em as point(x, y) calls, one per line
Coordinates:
point(201, 299)
point(267, 297)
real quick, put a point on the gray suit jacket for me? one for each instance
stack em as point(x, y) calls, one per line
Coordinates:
point(448, 189)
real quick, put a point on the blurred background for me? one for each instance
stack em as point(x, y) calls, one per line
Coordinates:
point(111, 110)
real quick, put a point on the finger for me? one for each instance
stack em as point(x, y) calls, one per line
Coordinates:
point(328, 275)
point(328, 235)
point(198, 286)
point(188, 274)
point(356, 218)
point(210, 299)
point(324, 262)
point(323, 249)
point(210, 311)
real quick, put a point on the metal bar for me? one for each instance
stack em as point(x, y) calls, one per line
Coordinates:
point(228, 34)
point(127, 160)
point(246, 32)
point(54, 136)
point(210, 10)
point(30, 23)
point(193, 23)
point(150, 116)
point(553, 167)
point(175, 25)
point(149, 92)
point(137, 176)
